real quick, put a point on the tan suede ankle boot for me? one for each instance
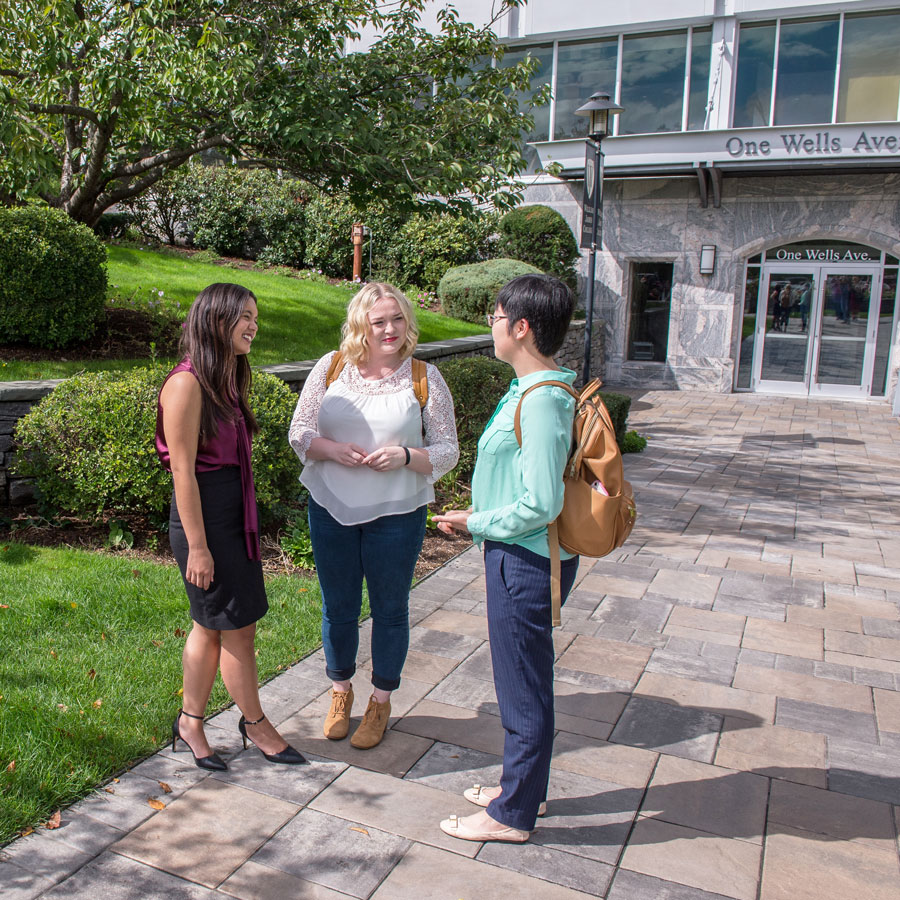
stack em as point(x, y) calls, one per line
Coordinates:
point(337, 722)
point(374, 722)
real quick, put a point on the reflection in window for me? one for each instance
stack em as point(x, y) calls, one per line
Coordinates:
point(540, 76)
point(582, 69)
point(807, 60)
point(748, 330)
point(870, 69)
point(651, 293)
point(653, 82)
point(883, 337)
point(756, 58)
point(701, 43)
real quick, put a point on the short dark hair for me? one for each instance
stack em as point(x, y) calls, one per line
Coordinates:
point(545, 302)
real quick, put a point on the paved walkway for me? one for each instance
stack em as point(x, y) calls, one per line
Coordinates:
point(727, 697)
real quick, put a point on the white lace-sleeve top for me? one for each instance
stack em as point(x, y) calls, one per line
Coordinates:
point(378, 413)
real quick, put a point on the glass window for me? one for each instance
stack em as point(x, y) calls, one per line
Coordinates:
point(753, 91)
point(653, 82)
point(748, 329)
point(701, 46)
point(651, 294)
point(869, 89)
point(807, 62)
point(582, 69)
point(540, 77)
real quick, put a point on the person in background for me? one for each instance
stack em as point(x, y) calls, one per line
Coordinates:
point(203, 437)
point(516, 492)
point(371, 453)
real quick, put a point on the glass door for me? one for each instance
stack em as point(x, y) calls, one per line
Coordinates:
point(845, 331)
point(786, 307)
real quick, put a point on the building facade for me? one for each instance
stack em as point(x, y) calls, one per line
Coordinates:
point(771, 134)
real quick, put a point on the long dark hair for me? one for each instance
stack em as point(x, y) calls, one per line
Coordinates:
point(207, 340)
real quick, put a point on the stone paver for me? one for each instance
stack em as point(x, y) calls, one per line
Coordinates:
point(727, 700)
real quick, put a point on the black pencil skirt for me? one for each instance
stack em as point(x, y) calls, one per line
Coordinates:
point(237, 596)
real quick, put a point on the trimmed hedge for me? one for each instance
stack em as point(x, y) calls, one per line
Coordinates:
point(469, 292)
point(477, 383)
point(89, 444)
point(541, 236)
point(52, 278)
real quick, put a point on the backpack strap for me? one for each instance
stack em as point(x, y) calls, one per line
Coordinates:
point(518, 418)
point(335, 368)
point(552, 530)
point(420, 381)
point(419, 376)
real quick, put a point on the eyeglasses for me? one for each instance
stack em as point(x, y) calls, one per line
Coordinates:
point(491, 318)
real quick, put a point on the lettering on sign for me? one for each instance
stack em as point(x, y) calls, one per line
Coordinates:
point(820, 143)
point(824, 255)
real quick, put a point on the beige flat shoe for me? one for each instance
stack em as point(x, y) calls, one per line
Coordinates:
point(337, 722)
point(471, 828)
point(482, 796)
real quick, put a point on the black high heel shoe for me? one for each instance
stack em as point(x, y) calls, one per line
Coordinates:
point(213, 762)
point(289, 756)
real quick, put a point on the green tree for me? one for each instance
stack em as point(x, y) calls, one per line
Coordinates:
point(99, 98)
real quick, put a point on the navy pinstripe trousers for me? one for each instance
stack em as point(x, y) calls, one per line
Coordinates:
point(518, 612)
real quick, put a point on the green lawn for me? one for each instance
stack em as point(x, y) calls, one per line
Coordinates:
point(90, 667)
point(297, 319)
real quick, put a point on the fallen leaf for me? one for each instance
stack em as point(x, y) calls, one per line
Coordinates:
point(303, 590)
point(109, 790)
point(4, 605)
point(97, 704)
point(53, 654)
point(165, 787)
point(11, 767)
point(360, 830)
point(73, 604)
point(180, 691)
point(26, 831)
point(53, 822)
point(156, 643)
point(62, 706)
point(156, 804)
point(92, 674)
point(115, 780)
point(136, 573)
point(179, 632)
point(102, 636)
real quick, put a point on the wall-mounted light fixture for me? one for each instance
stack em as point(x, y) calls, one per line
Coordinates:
point(707, 259)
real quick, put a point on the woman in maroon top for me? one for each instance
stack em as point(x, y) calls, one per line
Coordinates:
point(203, 434)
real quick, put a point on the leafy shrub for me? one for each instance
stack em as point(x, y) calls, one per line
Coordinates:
point(114, 224)
point(89, 444)
point(425, 247)
point(633, 442)
point(52, 278)
point(297, 543)
point(618, 406)
point(477, 383)
point(469, 292)
point(541, 236)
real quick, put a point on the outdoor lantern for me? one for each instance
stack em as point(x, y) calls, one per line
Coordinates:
point(707, 259)
point(598, 109)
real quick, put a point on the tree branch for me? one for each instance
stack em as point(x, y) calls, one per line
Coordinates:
point(65, 109)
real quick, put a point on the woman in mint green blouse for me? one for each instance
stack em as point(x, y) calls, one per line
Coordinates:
point(516, 492)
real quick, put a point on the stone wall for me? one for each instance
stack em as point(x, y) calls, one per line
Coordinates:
point(662, 220)
point(17, 397)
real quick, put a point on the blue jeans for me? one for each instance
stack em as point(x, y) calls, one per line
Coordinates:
point(521, 640)
point(384, 552)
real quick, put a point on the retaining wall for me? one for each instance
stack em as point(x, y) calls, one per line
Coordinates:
point(17, 397)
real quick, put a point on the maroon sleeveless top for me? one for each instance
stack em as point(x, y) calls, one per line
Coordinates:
point(230, 447)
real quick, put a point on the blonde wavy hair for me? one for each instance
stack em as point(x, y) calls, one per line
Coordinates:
point(354, 345)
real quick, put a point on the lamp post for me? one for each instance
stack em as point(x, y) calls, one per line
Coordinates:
point(599, 109)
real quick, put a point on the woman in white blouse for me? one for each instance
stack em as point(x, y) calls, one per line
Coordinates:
point(371, 455)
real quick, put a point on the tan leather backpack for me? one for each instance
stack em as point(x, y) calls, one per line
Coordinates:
point(592, 523)
point(419, 376)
